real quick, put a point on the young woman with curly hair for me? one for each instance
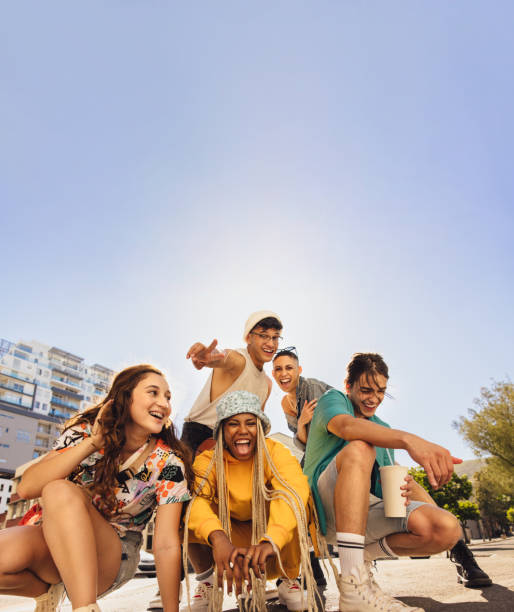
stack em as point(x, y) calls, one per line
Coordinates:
point(110, 468)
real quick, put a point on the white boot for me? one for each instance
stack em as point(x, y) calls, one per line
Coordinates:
point(89, 608)
point(359, 594)
point(51, 600)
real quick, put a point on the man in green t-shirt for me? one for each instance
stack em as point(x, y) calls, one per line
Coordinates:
point(347, 444)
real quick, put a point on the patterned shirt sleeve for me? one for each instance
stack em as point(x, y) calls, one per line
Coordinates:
point(171, 486)
point(72, 436)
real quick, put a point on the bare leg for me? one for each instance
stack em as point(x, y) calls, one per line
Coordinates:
point(26, 565)
point(431, 530)
point(85, 547)
point(351, 494)
point(200, 556)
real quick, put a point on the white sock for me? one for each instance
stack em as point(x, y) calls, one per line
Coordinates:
point(204, 576)
point(350, 547)
point(379, 550)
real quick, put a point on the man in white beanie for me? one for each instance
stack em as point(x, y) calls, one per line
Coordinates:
point(232, 370)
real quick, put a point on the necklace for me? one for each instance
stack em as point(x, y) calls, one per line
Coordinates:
point(292, 405)
point(132, 459)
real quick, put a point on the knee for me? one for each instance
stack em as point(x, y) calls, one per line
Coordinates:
point(448, 530)
point(357, 452)
point(60, 492)
point(440, 531)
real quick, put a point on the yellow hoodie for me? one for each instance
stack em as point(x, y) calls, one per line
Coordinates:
point(204, 520)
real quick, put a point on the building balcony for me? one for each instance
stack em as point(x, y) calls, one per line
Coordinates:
point(73, 394)
point(66, 369)
point(16, 400)
point(61, 402)
point(6, 371)
point(14, 387)
point(60, 415)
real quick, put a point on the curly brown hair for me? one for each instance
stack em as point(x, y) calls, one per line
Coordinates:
point(114, 419)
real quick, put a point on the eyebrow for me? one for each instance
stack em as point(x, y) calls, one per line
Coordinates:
point(365, 388)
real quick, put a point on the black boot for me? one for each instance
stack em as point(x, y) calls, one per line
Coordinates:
point(469, 574)
point(317, 571)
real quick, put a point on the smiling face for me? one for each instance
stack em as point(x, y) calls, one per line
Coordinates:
point(150, 406)
point(286, 372)
point(240, 435)
point(262, 344)
point(367, 393)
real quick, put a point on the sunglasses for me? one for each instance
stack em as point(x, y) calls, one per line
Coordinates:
point(286, 350)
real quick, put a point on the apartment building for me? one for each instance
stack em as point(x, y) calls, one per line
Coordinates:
point(40, 387)
point(5, 493)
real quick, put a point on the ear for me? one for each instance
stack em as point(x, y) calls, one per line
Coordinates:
point(347, 387)
point(300, 370)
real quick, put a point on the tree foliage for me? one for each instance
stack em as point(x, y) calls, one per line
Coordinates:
point(453, 496)
point(494, 493)
point(510, 515)
point(490, 429)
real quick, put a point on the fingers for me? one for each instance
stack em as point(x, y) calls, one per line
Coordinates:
point(211, 346)
point(197, 346)
point(455, 460)
point(259, 565)
point(246, 563)
point(430, 475)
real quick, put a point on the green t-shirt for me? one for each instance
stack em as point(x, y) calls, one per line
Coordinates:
point(323, 446)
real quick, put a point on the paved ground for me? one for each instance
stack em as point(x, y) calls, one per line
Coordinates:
point(427, 583)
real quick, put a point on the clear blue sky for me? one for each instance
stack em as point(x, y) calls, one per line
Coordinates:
point(167, 169)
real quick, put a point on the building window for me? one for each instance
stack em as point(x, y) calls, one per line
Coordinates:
point(23, 436)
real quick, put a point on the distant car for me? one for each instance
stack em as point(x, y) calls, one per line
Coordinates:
point(146, 567)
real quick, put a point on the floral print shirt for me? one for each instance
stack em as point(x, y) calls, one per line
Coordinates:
point(159, 480)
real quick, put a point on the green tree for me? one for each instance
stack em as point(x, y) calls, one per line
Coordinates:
point(458, 488)
point(510, 515)
point(490, 429)
point(467, 511)
point(494, 495)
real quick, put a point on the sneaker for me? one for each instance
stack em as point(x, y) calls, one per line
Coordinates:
point(360, 594)
point(51, 600)
point(201, 598)
point(290, 595)
point(468, 571)
point(369, 565)
point(156, 603)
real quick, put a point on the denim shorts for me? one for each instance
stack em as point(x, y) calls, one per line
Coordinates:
point(378, 524)
point(130, 546)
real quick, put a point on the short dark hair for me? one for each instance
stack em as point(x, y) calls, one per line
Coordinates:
point(286, 353)
point(268, 323)
point(365, 363)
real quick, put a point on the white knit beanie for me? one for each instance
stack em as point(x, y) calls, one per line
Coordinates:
point(254, 318)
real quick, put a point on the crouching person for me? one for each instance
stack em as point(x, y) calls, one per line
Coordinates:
point(249, 512)
point(112, 466)
point(346, 446)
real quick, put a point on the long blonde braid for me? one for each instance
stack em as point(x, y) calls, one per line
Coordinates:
point(260, 495)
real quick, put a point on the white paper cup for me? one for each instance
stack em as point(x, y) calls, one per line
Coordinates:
point(392, 478)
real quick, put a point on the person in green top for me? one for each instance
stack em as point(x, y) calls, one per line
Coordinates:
point(347, 444)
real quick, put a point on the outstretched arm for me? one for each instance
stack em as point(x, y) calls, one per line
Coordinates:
point(209, 356)
point(436, 460)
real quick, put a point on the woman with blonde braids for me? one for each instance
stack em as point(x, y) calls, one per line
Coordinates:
point(111, 467)
point(249, 512)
